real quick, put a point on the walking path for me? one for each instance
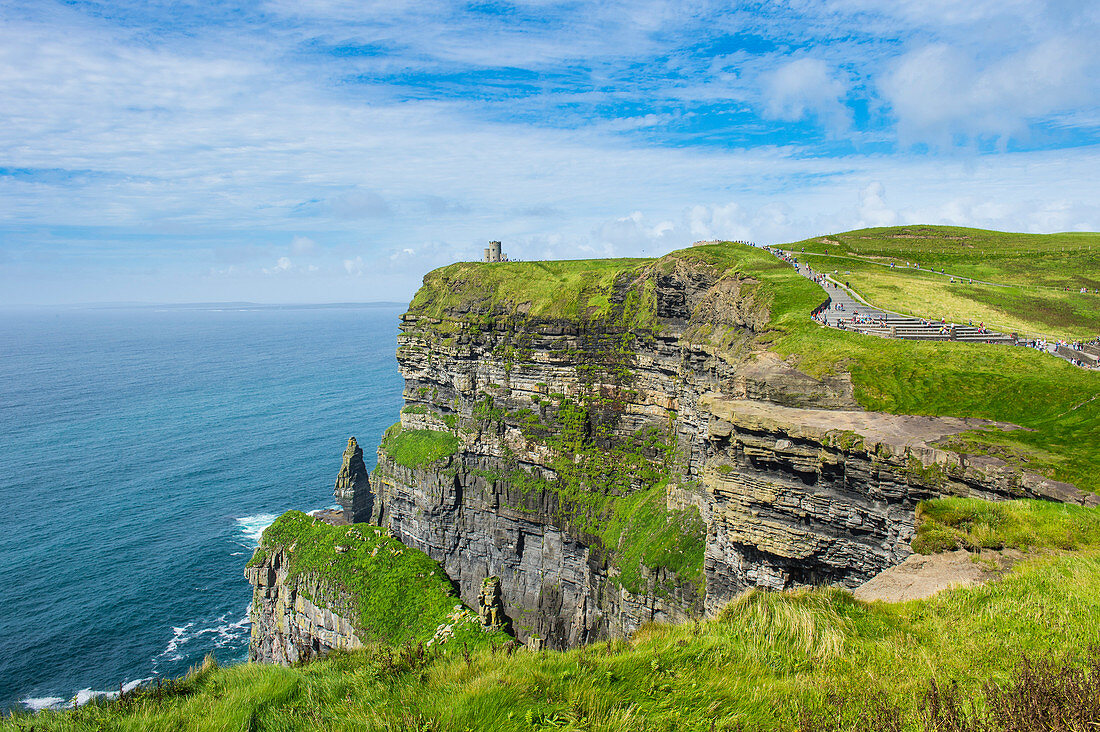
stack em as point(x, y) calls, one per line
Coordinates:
point(848, 311)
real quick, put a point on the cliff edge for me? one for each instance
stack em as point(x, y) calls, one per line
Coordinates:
point(622, 441)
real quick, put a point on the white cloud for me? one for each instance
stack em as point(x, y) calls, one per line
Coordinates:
point(282, 265)
point(940, 91)
point(806, 87)
point(873, 210)
point(355, 266)
point(633, 235)
point(302, 245)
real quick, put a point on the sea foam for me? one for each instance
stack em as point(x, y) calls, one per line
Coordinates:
point(81, 697)
point(253, 526)
point(39, 703)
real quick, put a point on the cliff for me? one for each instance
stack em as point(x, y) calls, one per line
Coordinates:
point(622, 441)
point(318, 587)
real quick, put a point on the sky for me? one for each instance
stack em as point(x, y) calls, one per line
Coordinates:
point(336, 150)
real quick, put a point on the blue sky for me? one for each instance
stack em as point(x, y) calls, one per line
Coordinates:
point(335, 150)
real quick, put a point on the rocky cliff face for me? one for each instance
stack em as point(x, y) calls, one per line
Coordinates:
point(287, 626)
point(616, 469)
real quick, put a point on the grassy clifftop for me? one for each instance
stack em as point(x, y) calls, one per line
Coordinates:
point(816, 660)
point(1055, 401)
point(1047, 260)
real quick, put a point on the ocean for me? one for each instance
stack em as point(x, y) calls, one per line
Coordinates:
point(142, 452)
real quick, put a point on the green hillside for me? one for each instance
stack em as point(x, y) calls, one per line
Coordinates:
point(1024, 283)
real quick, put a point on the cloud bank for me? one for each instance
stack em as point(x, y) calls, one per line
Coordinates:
point(328, 150)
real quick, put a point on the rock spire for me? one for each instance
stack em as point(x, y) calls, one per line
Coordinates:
point(353, 485)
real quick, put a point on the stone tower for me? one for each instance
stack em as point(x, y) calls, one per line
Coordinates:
point(492, 252)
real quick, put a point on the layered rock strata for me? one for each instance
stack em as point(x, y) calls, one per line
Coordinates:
point(565, 427)
point(287, 627)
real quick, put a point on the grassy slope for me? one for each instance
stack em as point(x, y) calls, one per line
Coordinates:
point(766, 656)
point(555, 289)
point(947, 524)
point(1032, 269)
point(414, 448)
point(401, 594)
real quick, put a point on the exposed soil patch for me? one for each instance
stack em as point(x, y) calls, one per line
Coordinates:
point(922, 576)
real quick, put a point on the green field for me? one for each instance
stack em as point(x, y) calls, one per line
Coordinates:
point(790, 660)
point(1033, 280)
point(553, 289)
point(1033, 260)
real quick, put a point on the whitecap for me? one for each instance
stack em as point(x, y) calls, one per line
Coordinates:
point(253, 526)
point(81, 697)
point(224, 632)
point(39, 703)
point(179, 637)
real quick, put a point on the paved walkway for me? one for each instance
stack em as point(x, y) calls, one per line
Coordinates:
point(847, 311)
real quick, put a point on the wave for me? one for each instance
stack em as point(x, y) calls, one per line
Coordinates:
point(253, 526)
point(223, 632)
point(39, 703)
point(179, 637)
point(81, 697)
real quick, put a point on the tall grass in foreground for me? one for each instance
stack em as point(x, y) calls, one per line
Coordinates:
point(769, 661)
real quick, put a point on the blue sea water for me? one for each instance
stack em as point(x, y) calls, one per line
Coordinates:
point(142, 452)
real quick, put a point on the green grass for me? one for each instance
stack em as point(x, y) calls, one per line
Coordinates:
point(553, 290)
point(415, 448)
point(642, 532)
point(768, 656)
point(946, 524)
point(399, 594)
point(1031, 260)
point(1038, 312)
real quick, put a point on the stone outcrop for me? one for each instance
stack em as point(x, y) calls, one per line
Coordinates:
point(287, 625)
point(563, 422)
point(353, 485)
point(490, 608)
point(810, 496)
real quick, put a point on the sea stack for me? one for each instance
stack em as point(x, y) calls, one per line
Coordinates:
point(353, 485)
